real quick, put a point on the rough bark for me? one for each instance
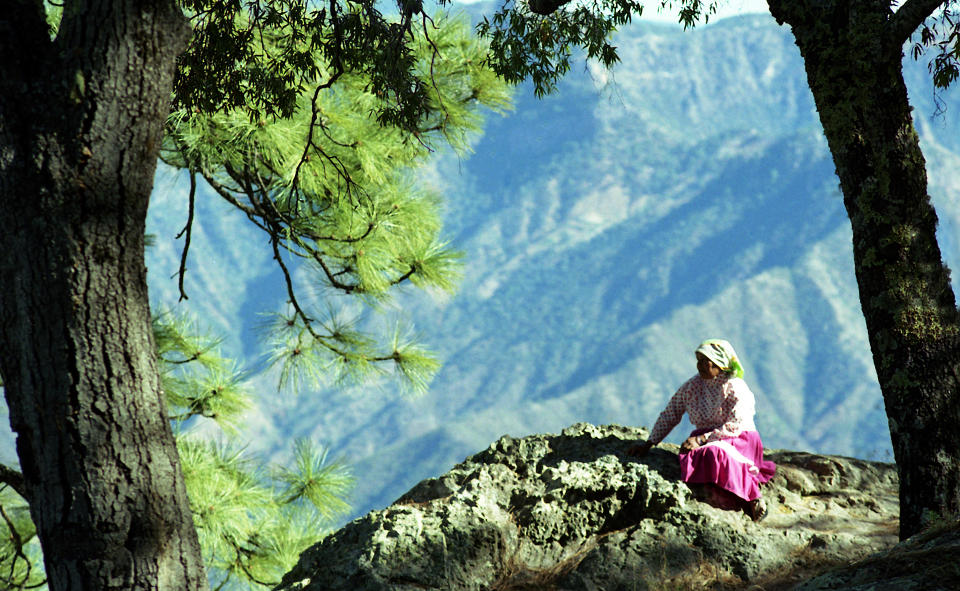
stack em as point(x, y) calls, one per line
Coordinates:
point(81, 118)
point(852, 51)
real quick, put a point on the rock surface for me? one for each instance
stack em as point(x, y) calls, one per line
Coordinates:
point(574, 512)
point(929, 561)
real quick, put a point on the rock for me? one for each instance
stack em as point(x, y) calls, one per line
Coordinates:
point(574, 512)
point(929, 561)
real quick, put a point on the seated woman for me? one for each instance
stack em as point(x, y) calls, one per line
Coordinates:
point(724, 453)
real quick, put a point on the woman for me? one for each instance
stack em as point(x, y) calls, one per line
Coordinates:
point(724, 453)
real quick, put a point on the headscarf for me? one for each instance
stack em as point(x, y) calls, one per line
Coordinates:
point(721, 353)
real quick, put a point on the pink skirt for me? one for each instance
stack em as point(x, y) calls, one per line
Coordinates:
point(734, 464)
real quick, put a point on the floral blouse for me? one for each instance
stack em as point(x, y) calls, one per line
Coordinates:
point(723, 404)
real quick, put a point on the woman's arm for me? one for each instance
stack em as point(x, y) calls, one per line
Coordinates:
point(671, 415)
point(667, 420)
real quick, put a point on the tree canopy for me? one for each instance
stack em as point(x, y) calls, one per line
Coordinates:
point(334, 187)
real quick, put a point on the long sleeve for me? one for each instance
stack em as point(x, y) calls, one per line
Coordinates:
point(669, 418)
point(737, 410)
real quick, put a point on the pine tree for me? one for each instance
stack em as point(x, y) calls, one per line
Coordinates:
point(347, 207)
point(253, 520)
point(311, 121)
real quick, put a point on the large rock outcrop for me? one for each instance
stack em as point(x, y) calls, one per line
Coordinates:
point(573, 511)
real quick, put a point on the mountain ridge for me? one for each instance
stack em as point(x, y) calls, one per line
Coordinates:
point(608, 229)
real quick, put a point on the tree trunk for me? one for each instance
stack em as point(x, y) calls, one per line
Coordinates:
point(81, 119)
point(853, 58)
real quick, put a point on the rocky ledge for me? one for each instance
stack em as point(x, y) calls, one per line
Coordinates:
point(574, 512)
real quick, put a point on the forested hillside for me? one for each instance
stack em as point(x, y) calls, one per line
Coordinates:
point(607, 229)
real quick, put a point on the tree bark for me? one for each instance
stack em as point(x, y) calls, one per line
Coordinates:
point(853, 58)
point(81, 119)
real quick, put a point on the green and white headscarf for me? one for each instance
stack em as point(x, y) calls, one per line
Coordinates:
point(722, 354)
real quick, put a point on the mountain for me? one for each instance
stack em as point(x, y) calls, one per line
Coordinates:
point(608, 229)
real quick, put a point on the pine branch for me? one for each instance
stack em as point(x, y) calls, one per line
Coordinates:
point(18, 545)
point(187, 229)
point(291, 294)
point(245, 568)
point(308, 321)
point(14, 480)
point(314, 122)
point(333, 183)
point(228, 195)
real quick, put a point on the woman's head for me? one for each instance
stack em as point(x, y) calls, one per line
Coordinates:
point(719, 353)
point(706, 368)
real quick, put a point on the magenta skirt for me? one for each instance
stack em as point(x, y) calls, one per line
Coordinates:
point(734, 464)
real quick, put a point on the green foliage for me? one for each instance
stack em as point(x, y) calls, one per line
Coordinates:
point(316, 480)
point(252, 526)
point(306, 362)
point(196, 380)
point(413, 362)
point(331, 182)
point(253, 520)
point(524, 44)
point(691, 12)
point(537, 39)
point(260, 57)
point(21, 561)
point(334, 188)
point(941, 33)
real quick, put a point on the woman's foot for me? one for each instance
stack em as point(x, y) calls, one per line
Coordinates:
point(717, 497)
point(756, 509)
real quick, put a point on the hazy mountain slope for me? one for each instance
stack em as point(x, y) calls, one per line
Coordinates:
point(608, 229)
point(694, 202)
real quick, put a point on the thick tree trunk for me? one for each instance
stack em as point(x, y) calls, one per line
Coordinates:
point(80, 123)
point(853, 57)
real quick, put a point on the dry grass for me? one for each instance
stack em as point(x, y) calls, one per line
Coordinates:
point(923, 555)
point(703, 575)
point(804, 565)
point(516, 576)
point(707, 576)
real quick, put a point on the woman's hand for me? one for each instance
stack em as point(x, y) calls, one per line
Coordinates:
point(640, 449)
point(691, 443)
